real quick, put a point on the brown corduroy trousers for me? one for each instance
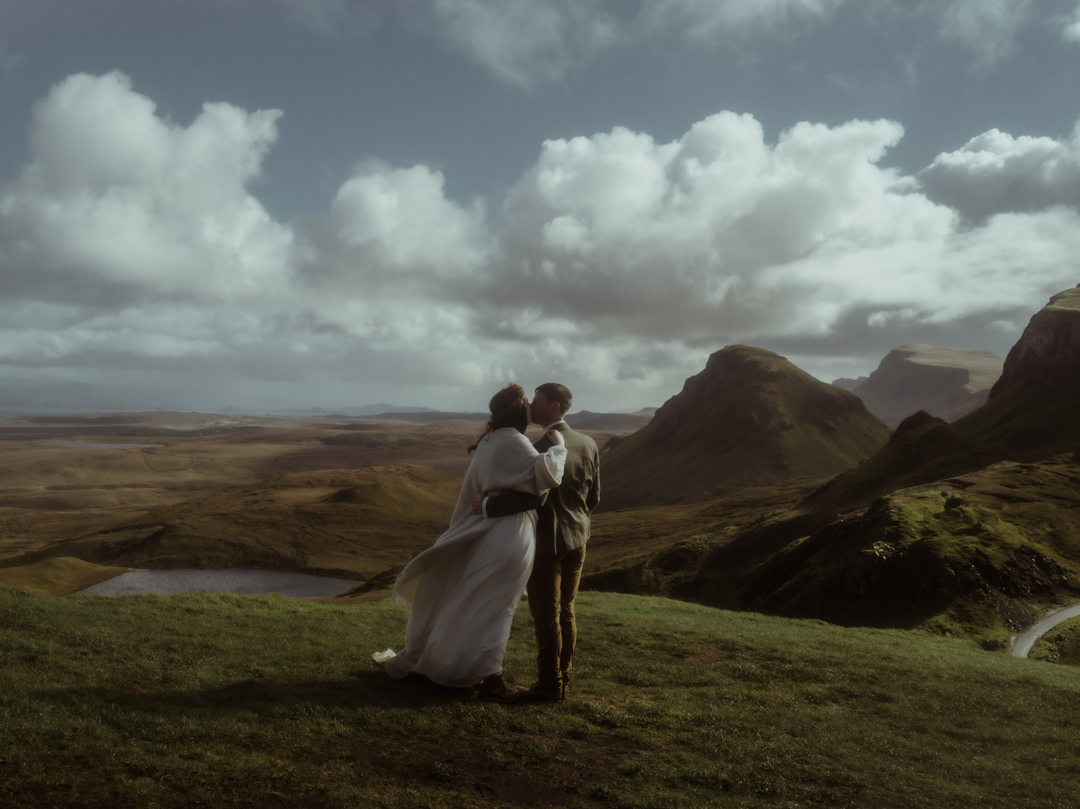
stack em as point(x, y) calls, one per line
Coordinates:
point(552, 589)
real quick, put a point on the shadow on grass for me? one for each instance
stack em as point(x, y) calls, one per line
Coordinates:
point(366, 689)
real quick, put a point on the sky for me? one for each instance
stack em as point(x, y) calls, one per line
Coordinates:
point(323, 203)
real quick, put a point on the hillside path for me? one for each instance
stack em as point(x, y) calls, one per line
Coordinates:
point(1023, 642)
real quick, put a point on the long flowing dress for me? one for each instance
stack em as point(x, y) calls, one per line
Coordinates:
point(462, 591)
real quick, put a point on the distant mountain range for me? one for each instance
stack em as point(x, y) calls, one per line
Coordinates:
point(60, 397)
point(945, 382)
point(25, 396)
point(348, 411)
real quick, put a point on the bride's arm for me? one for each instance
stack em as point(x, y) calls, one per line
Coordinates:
point(548, 472)
point(499, 505)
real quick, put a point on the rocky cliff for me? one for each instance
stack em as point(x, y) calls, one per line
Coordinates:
point(751, 418)
point(1048, 353)
point(944, 382)
point(1030, 415)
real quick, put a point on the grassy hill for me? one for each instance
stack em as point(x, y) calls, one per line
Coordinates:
point(56, 576)
point(267, 702)
point(351, 523)
point(977, 555)
point(1017, 425)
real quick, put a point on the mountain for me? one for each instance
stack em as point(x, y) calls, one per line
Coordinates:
point(751, 418)
point(620, 422)
point(966, 529)
point(847, 383)
point(1048, 354)
point(944, 382)
point(1030, 415)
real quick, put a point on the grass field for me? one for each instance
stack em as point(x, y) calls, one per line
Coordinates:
point(215, 700)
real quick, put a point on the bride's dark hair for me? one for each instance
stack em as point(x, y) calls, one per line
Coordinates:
point(509, 408)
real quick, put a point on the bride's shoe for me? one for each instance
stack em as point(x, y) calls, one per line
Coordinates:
point(492, 688)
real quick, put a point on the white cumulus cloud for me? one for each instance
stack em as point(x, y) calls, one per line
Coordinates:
point(121, 201)
point(390, 225)
point(998, 173)
point(616, 262)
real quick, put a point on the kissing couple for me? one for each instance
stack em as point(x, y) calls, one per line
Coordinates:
point(521, 521)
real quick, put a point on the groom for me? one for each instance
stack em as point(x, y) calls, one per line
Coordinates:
point(562, 528)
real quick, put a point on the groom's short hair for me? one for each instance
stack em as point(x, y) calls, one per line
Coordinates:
point(554, 392)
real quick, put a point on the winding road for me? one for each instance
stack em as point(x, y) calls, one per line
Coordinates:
point(1022, 643)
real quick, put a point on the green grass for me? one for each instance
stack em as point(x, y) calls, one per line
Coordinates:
point(213, 700)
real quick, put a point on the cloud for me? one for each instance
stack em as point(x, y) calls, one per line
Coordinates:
point(998, 173)
point(388, 225)
point(677, 239)
point(526, 42)
point(616, 262)
point(119, 203)
point(624, 244)
point(529, 43)
point(1071, 26)
point(701, 20)
point(522, 41)
point(986, 27)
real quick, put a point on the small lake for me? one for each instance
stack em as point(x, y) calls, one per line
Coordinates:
point(240, 581)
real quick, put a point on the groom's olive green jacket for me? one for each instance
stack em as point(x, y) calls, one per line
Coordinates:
point(562, 519)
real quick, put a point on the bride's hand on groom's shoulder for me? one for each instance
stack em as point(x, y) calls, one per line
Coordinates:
point(555, 437)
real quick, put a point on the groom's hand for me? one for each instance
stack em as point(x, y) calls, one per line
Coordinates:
point(478, 503)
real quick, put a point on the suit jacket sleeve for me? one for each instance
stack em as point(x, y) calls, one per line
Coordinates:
point(592, 499)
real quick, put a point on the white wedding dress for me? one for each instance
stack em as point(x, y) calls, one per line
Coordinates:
point(462, 591)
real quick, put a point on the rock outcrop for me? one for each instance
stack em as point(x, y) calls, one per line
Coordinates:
point(1048, 353)
point(945, 382)
point(751, 418)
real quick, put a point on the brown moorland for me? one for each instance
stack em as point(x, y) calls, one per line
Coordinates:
point(74, 482)
point(345, 497)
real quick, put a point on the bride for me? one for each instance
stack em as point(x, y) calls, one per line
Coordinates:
point(462, 591)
